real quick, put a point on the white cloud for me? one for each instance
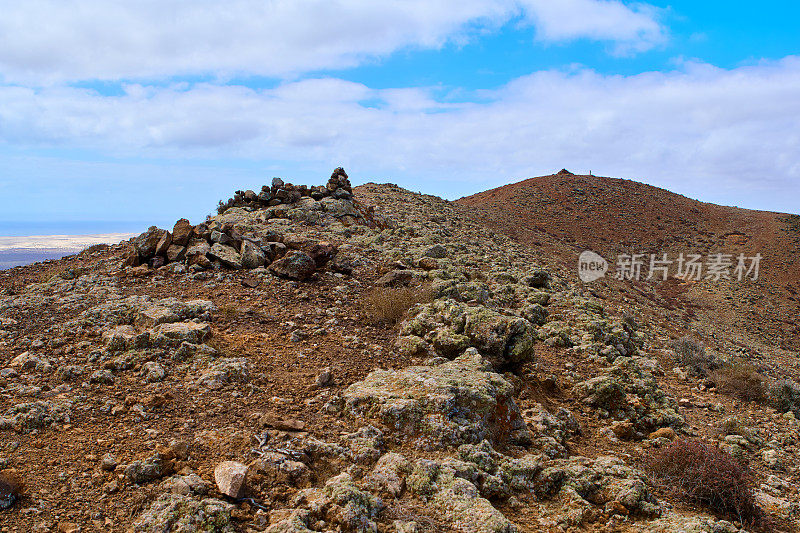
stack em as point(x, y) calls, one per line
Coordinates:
point(632, 28)
point(50, 41)
point(727, 135)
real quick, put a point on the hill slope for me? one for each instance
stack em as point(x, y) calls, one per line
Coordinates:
point(564, 214)
point(372, 360)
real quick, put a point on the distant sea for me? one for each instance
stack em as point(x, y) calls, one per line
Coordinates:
point(20, 257)
point(23, 243)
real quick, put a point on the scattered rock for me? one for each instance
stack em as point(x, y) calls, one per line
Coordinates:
point(108, 463)
point(294, 265)
point(230, 478)
point(178, 513)
point(325, 378)
point(10, 488)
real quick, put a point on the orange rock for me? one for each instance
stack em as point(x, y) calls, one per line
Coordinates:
point(667, 433)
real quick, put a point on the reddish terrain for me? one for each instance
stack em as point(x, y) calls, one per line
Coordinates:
point(564, 214)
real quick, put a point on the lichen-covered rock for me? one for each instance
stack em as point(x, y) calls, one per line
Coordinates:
point(595, 482)
point(365, 444)
point(119, 338)
point(153, 372)
point(224, 371)
point(535, 314)
point(456, 499)
point(551, 431)
point(784, 395)
point(177, 513)
point(389, 474)
point(673, 522)
point(340, 504)
point(629, 391)
point(457, 402)
point(448, 326)
point(497, 476)
point(175, 333)
point(35, 415)
point(144, 312)
point(410, 345)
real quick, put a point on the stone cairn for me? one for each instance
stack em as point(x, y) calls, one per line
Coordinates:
point(285, 193)
point(218, 244)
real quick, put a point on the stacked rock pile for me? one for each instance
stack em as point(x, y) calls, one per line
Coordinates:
point(338, 187)
point(218, 243)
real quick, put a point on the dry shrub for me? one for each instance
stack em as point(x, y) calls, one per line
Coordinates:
point(692, 354)
point(784, 395)
point(386, 304)
point(703, 474)
point(732, 426)
point(229, 312)
point(741, 380)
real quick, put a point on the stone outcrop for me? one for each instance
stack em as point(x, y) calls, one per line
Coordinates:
point(235, 238)
point(460, 401)
point(449, 327)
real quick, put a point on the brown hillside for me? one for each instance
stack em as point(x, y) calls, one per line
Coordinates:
point(564, 214)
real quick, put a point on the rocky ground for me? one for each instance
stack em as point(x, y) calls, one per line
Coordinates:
point(246, 375)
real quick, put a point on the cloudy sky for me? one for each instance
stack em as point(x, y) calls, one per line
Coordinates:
point(129, 112)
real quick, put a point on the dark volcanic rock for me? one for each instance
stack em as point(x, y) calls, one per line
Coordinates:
point(321, 252)
point(295, 265)
point(147, 243)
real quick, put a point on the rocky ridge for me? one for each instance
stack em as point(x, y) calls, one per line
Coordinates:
point(247, 391)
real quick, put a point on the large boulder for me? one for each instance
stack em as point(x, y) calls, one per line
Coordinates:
point(294, 265)
point(227, 255)
point(146, 244)
point(163, 244)
point(457, 402)
point(182, 232)
point(629, 391)
point(448, 325)
point(197, 247)
point(252, 255)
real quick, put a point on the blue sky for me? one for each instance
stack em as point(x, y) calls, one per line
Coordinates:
point(116, 114)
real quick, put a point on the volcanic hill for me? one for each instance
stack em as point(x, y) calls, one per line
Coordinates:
point(369, 359)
